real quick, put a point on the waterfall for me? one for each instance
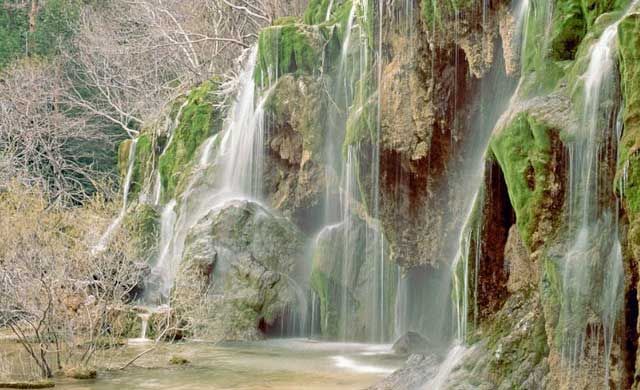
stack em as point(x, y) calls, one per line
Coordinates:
point(455, 356)
point(351, 208)
point(126, 184)
point(144, 318)
point(460, 269)
point(238, 163)
point(592, 279)
point(170, 129)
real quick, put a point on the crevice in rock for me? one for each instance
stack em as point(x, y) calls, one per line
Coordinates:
point(498, 216)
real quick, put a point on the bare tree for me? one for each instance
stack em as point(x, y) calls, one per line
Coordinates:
point(55, 295)
point(38, 130)
point(132, 57)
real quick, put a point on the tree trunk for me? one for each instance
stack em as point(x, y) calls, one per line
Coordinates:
point(33, 13)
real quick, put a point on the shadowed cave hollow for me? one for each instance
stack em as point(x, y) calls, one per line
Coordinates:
point(498, 217)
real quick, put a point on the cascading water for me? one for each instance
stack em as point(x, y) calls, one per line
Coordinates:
point(463, 286)
point(106, 236)
point(351, 214)
point(592, 267)
point(239, 160)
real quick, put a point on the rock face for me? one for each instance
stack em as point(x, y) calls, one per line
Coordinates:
point(522, 271)
point(416, 372)
point(233, 281)
point(296, 178)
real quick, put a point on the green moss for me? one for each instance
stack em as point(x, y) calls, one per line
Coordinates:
point(143, 226)
point(629, 158)
point(198, 121)
point(570, 27)
point(290, 48)
point(523, 151)
point(438, 13)
point(123, 157)
point(551, 294)
point(316, 11)
point(143, 164)
point(541, 73)
point(327, 292)
point(362, 120)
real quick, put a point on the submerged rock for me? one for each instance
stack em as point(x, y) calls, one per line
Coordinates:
point(178, 360)
point(235, 276)
point(81, 373)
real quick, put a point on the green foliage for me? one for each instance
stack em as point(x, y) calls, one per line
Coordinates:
point(198, 121)
point(55, 25)
point(523, 151)
point(14, 26)
point(572, 20)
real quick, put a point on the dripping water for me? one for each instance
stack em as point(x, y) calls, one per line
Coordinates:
point(106, 236)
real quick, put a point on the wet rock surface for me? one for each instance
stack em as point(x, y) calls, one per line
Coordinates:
point(235, 270)
point(417, 370)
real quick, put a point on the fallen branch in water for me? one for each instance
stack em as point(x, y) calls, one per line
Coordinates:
point(155, 345)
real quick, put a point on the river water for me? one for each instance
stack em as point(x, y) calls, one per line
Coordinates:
point(274, 364)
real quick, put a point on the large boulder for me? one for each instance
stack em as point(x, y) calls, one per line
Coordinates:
point(235, 278)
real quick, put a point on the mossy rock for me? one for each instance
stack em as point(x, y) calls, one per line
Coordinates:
point(124, 149)
point(178, 360)
point(288, 48)
point(198, 121)
point(629, 158)
point(83, 373)
point(540, 70)
point(143, 163)
point(316, 11)
point(524, 151)
point(143, 225)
